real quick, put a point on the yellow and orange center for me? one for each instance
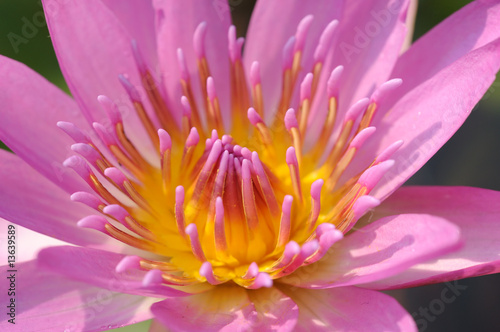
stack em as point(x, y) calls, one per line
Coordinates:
point(247, 205)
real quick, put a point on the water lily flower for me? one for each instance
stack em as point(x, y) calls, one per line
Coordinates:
point(215, 188)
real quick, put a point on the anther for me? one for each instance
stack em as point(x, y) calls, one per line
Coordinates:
point(88, 199)
point(293, 165)
point(207, 271)
point(192, 232)
point(248, 195)
point(315, 203)
point(285, 222)
point(258, 101)
point(179, 211)
point(128, 263)
point(152, 278)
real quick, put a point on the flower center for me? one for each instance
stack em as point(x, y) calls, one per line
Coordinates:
point(220, 212)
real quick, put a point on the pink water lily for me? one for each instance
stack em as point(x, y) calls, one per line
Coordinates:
point(212, 188)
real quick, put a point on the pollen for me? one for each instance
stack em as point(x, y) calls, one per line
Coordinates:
point(247, 203)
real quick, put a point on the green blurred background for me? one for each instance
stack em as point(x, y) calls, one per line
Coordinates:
point(471, 157)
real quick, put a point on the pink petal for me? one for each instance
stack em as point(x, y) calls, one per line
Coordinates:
point(137, 16)
point(93, 48)
point(429, 115)
point(50, 302)
point(275, 310)
point(35, 241)
point(177, 22)
point(30, 200)
point(369, 44)
point(475, 25)
point(475, 211)
point(229, 308)
point(370, 40)
point(381, 249)
point(264, 27)
point(97, 267)
point(349, 309)
point(31, 107)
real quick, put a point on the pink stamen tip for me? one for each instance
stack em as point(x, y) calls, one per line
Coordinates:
point(235, 162)
point(152, 278)
point(253, 116)
point(214, 153)
point(79, 165)
point(179, 195)
point(239, 44)
point(234, 44)
point(94, 222)
point(325, 41)
point(288, 53)
point(215, 135)
point(291, 157)
point(291, 119)
point(192, 232)
point(385, 89)
point(330, 237)
point(316, 189)
point(219, 206)
point(211, 89)
point(326, 241)
point(363, 204)
point(86, 151)
point(256, 162)
point(309, 248)
point(246, 167)
point(141, 65)
point(111, 109)
point(199, 40)
point(130, 88)
point(255, 73)
point(193, 138)
point(73, 131)
point(306, 86)
point(116, 211)
point(87, 199)
point(372, 175)
point(207, 271)
point(355, 110)
point(262, 280)
point(253, 270)
point(323, 228)
point(332, 86)
point(301, 33)
point(181, 60)
point(361, 137)
point(186, 107)
point(292, 249)
point(165, 140)
point(237, 150)
point(103, 133)
point(389, 151)
point(209, 143)
point(246, 153)
point(286, 208)
point(128, 263)
point(226, 139)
